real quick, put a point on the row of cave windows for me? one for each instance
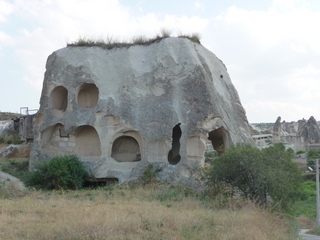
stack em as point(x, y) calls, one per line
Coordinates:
point(87, 97)
point(127, 149)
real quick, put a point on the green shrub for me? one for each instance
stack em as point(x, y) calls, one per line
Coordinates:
point(1, 140)
point(310, 188)
point(312, 155)
point(209, 156)
point(260, 175)
point(300, 151)
point(64, 172)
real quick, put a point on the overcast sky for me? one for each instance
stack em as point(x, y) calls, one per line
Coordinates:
point(270, 48)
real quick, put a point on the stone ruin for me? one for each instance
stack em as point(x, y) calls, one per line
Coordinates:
point(124, 108)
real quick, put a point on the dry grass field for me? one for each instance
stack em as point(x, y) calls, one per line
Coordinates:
point(149, 212)
point(152, 211)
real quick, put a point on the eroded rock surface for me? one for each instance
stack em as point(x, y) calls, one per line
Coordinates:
point(122, 109)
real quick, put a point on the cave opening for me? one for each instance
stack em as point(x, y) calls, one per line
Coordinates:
point(174, 154)
point(87, 142)
point(218, 140)
point(126, 149)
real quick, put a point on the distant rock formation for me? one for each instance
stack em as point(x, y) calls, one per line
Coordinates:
point(301, 135)
point(310, 132)
point(122, 109)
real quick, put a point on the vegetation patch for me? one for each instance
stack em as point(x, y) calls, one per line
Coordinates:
point(126, 213)
point(64, 172)
point(16, 167)
point(111, 42)
point(268, 177)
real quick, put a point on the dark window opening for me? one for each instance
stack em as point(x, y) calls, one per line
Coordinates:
point(126, 149)
point(174, 154)
point(100, 182)
point(217, 138)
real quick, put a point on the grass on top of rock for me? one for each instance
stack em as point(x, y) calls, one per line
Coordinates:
point(111, 42)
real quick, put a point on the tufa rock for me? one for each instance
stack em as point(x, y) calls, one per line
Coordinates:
point(301, 135)
point(122, 109)
point(310, 132)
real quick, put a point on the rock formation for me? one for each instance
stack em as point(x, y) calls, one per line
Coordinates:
point(302, 135)
point(122, 109)
point(310, 132)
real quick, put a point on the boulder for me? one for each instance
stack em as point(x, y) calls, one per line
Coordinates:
point(7, 130)
point(8, 181)
point(124, 108)
point(10, 150)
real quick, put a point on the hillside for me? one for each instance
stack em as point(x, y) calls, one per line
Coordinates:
point(8, 115)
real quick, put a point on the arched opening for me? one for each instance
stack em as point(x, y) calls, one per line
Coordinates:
point(218, 139)
point(126, 149)
point(59, 98)
point(88, 95)
point(87, 142)
point(174, 154)
point(53, 142)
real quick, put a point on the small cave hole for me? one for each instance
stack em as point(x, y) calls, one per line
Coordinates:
point(59, 98)
point(174, 154)
point(88, 95)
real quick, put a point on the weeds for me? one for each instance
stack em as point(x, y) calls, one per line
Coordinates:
point(110, 42)
point(315, 231)
point(193, 37)
point(127, 214)
point(149, 174)
point(11, 139)
point(16, 167)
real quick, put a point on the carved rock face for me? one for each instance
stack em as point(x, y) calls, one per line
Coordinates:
point(122, 109)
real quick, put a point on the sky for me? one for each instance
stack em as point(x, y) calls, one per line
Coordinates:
point(271, 48)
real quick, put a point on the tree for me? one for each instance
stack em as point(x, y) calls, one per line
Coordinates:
point(259, 175)
point(313, 154)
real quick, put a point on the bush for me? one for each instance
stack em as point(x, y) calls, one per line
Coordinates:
point(312, 155)
point(259, 175)
point(149, 174)
point(64, 172)
point(209, 156)
point(300, 151)
point(309, 187)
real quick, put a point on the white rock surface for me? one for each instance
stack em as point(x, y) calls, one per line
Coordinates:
point(124, 108)
point(9, 181)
